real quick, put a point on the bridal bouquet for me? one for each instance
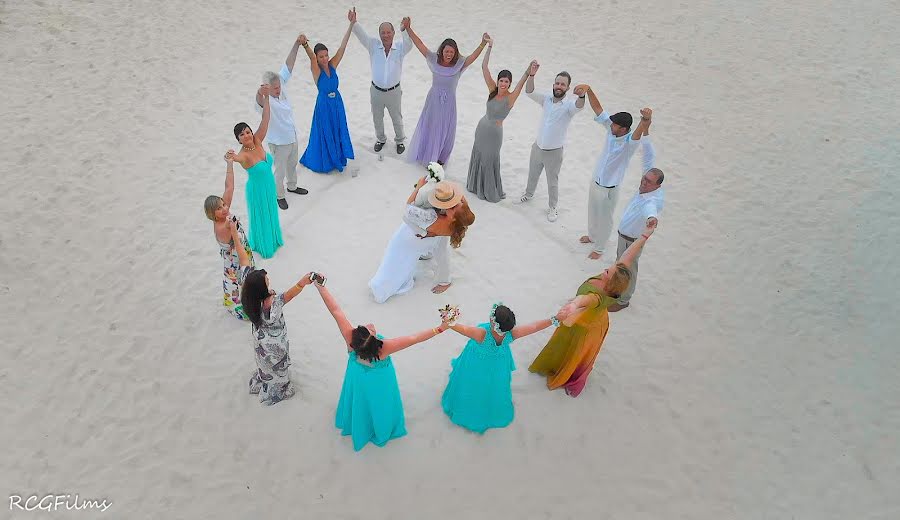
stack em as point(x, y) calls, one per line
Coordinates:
point(435, 173)
point(449, 313)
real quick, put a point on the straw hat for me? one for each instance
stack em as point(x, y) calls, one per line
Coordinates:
point(445, 195)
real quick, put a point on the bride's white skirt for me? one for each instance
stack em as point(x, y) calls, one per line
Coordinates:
point(396, 273)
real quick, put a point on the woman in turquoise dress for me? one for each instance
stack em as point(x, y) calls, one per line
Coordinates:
point(329, 144)
point(479, 393)
point(262, 200)
point(370, 408)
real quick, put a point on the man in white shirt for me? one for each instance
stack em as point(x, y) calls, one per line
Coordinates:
point(547, 150)
point(386, 57)
point(644, 208)
point(603, 192)
point(282, 135)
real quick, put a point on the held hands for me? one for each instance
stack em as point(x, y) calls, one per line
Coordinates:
point(229, 156)
point(351, 15)
point(264, 91)
point(486, 39)
point(449, 315)
point(582, 89)
point(651, 226)
point(303, 40)
point(404, 23)
point(646, 113)
point(534, 67)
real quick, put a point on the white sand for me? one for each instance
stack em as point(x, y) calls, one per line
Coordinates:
point(754, 376)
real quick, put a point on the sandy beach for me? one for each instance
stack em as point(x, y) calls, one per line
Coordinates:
point(753, 376)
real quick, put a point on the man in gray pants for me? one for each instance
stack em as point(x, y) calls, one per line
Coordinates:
point(547, 150)
point(386, 57)
point(282, 135)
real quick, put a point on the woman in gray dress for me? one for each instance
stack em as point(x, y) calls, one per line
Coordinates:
point(484, 165)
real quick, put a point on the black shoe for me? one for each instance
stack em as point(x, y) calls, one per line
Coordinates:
point(441, 163)
point(282, 203)
point(299, 191)
point(400, 148)
point(379, 146)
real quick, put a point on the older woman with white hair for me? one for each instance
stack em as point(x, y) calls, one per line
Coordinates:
point(419, 234)
point(282, 136)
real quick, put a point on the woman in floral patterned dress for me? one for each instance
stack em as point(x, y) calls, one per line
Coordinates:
point(217, 209)
point(265, 311)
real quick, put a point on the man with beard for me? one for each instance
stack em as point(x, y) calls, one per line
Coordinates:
point(386, 57)
point(547, 150)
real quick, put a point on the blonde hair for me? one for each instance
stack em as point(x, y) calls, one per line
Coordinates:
point(618, 281)
point(462, 219)
point(210, 205)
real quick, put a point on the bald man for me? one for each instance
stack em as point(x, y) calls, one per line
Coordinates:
point(386, 56)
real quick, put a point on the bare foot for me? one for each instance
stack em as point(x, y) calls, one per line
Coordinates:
point(595, 255)
point(585, 240)
point(438, 289)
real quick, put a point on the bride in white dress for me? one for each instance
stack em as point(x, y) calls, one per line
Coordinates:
point(418, 235)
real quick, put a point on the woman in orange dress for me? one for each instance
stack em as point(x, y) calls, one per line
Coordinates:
point(568, 357)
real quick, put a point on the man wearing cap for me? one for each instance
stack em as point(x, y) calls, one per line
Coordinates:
point(282, 135)
point(547, 150)
point(643, 209)
point(603, 192)
point(386, 57)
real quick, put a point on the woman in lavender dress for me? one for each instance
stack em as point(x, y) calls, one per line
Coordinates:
point(433, 139)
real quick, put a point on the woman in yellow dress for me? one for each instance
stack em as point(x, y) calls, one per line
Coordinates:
point(568, 357)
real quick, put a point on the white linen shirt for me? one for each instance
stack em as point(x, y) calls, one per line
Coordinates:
point(386, 70)
point(554, 121)
point(281, 115)
point(617, 153)
point(642, 207)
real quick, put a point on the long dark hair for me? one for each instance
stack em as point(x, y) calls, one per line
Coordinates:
point(440, 53)
point(503, 74)
point(365, 344)
point(253, 294)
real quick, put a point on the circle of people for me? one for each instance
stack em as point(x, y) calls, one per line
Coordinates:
point(478, 395)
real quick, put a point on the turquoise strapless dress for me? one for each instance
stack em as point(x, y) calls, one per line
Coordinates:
point(370, 408)
point(262, 204)
point(479, 393)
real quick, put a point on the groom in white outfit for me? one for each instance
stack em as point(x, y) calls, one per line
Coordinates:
point(610, 170)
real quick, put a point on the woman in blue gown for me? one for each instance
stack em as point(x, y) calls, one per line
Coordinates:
point(262, 200)
point(329, 144)
point(370, 408)
point(479, 393)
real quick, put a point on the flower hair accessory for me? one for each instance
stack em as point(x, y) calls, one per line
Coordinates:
point(494, 324)
point(435, 172)
point(449, 313)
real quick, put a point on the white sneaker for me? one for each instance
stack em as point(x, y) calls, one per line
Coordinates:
point(552, 215)
point(524, 198)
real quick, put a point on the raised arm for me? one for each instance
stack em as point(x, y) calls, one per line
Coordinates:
point(297, 287)
point(313, 64)
point(339, 317)
point(229, 177)
point(476, 333)
point(393, 345)
point(470, 59)
point(514, 95)
point(530, 328)
point(579, 103)
point(358, 31)
point(260, 134)
point(339, 55)
point(415, 38)
point(243, 257)
point(643, 127)
point(592, 97)
point(486, 71)
point(292, 57)
point(415, 193)
point(635, 248)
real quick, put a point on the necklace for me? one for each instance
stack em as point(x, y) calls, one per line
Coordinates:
point(249, 149)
